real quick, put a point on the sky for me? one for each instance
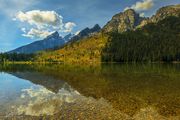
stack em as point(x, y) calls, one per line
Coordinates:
point(25, 21)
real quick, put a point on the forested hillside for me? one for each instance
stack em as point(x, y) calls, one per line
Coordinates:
point(87, 50)
point(154, 42)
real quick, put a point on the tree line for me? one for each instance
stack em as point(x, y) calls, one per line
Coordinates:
point(5, 57)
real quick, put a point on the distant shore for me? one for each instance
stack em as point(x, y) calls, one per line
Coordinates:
point(91, 63)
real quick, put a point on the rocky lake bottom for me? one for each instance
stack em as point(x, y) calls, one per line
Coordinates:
point(107, 92)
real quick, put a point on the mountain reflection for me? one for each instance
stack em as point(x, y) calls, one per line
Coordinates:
point(38, 78)
point(123, 91)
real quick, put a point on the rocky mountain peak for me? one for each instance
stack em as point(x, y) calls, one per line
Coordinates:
point(87, 32)
point(96, 28)
point(172, 10)
point(50, 42)
point(162, 13)
point(130, 12)
point(54, 35)
point(68, 37)
point(130, 20)
point(123, 21)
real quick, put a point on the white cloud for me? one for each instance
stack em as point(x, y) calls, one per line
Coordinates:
point(40, 101)
point(142, 5)
point(69, 26)
point(41, 18)
point(42, 23)
point(36, 33)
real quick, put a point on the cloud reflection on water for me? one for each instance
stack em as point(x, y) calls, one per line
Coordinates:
point(41, 101)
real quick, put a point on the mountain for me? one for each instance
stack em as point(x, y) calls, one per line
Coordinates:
point(130, 20)
point(87, 32)
point(68, 37)
point(51, 41)
point(46, 81)
point(54, 41)
point(130, 38)
point(85, 50)
point(154, 42)
point(123, 21)
point(157, 40)
point(162, 13)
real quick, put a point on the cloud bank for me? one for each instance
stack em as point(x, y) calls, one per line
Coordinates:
point(40, 18)
point(43, 23)
point(142, 5)
point(36, 33)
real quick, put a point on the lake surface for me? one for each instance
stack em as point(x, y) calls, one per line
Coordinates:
point(109, 92)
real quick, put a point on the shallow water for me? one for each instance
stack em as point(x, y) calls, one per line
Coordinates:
point(109, 91)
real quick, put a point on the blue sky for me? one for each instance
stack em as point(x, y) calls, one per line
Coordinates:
point(19, 27)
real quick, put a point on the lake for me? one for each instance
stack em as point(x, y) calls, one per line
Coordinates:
point(107, 91)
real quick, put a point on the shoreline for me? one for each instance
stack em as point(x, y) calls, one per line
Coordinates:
point(90, 63)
